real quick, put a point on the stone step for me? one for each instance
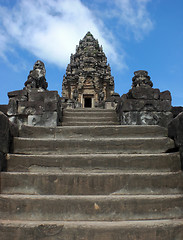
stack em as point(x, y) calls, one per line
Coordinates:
point(90, 119)
point(91, 183)
point(74, 113)
point(88, 230)
point(89, 123)
point(94, 162)
point(89, 110)
point(90, 208)
point(93, 131)
point(92, 145)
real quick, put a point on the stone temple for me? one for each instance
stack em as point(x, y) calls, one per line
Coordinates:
point(90, 165)
point(88, 76)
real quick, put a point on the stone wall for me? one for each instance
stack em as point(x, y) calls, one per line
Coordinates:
point(34, 108)
point(144, 105)
point(8, 130)
point(175, 131)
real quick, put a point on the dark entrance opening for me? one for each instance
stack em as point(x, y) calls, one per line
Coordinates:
point(88, 102)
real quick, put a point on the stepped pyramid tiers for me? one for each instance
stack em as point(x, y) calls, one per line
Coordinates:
point(88, 77)
point(144, 105)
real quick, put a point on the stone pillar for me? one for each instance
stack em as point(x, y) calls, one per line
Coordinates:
point(144, 105)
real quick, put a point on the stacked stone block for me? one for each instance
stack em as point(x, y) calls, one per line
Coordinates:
point(144, 105)
point(34, 108)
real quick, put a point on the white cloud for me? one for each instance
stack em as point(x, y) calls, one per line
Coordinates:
point(134, 14)
point(3, 45)
point(50, 29)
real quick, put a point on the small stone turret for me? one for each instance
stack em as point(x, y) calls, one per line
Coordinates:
point(36, 77)
point(88, 74)
point(141, 78)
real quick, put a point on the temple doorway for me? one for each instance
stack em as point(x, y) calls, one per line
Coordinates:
point(88, 101)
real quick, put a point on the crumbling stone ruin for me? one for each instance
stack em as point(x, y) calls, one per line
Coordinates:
point(34, 105)
point(144, 105)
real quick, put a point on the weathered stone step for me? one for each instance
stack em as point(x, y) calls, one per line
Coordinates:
point(92, 145)
point(90, 119)
point(88, 230)
point(89, 110)
point(75, 113)
point(90, 208)
point(94, 162)
point(90, 123)
point(93, 131)
point(91, 183)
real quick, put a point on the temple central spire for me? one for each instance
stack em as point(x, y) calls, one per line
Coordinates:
point(88, 77)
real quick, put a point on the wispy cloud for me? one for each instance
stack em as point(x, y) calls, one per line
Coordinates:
point(3, 45)
point(50, 29)
point(135, 16)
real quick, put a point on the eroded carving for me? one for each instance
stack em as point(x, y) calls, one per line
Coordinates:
point(36, 78)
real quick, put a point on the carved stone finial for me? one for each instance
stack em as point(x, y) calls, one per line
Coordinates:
point(141, 78)
point(36, 78)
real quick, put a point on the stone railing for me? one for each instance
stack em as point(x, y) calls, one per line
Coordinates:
point(175, 131)
point(8, 130)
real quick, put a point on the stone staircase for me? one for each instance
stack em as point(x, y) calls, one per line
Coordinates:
point(89, 117)
point(92, 182)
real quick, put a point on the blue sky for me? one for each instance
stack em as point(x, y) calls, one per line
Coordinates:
point(135, 35)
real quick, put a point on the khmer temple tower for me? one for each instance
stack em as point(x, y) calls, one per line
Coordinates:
point(88, 77)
